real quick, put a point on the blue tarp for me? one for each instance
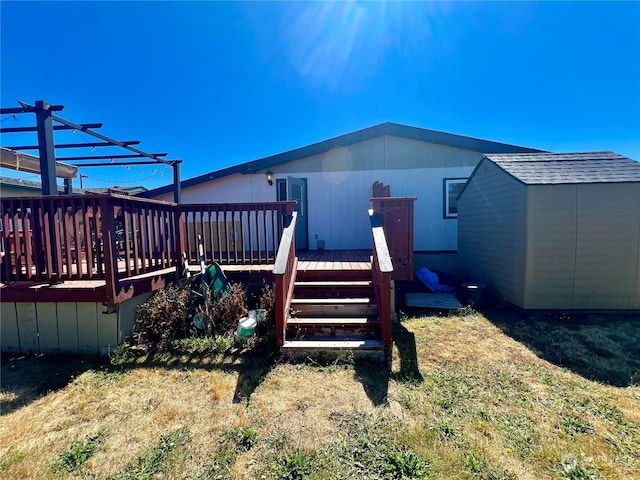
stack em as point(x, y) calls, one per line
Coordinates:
point(430, 279)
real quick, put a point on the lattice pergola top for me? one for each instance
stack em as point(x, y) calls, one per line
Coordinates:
point(46, 147)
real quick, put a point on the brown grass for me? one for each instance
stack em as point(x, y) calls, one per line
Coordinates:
point(462, 395)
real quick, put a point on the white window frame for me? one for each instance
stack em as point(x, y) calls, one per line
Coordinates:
point(446, 183)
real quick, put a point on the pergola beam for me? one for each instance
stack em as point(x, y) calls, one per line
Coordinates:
point(105, 157)
point(77, 145)
point(140, 162)
point(55, 127)
point(111, 140)
point(25, 108)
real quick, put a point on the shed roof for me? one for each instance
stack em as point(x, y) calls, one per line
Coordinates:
point(568, 168)
point(388, 128)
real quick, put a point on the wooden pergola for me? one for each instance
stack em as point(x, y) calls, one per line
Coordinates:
point(47, 123)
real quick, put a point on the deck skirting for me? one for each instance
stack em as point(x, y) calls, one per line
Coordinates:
point(89, 328)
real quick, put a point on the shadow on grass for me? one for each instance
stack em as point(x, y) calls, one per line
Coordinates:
point(27, 377)
point(252, 365)
point(374, 376)
point(600, 347)
point(405, 342)
point(252, 369)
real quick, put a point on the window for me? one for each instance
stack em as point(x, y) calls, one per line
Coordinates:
point(452, 188)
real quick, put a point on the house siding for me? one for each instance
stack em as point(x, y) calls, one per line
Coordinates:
point(492, 232)
point(339, 188)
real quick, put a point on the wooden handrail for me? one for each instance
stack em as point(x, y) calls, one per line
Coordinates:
point(381, 269)
point(285, 270)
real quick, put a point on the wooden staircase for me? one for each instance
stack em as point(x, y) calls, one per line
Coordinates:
point(333, 311)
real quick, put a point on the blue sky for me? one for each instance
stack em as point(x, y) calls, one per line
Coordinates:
point(217, 83)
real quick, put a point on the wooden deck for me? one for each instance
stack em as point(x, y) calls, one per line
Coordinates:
point(93, 290)
point(316, 260)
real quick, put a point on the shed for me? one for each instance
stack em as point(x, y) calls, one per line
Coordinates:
point(554, 230)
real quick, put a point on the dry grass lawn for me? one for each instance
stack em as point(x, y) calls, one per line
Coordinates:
point(469, 396)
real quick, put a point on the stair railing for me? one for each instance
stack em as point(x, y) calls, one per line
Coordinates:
point(285, 270)
point(381, 268)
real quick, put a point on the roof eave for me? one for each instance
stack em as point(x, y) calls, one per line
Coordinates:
point(388, 128)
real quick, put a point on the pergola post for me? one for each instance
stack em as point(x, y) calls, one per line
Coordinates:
point(46, 148)
point(176, 180)
point(68, 186)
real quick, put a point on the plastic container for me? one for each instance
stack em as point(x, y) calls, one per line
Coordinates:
point(246, 328)
point(474, 293)
point(258, 314)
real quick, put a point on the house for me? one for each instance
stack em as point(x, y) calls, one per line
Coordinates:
point(332, 182)
point(18, 187)
point(554, 230)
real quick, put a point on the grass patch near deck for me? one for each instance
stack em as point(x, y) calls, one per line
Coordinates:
point(469, 396)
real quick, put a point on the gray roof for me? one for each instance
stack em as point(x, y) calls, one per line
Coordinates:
point(564, 168)
point(388, 128)
point(30, 185)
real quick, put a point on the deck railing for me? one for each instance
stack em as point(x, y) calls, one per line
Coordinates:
point(285, 270)
point(381, 269)
point(90, 237)
point(113, 237)
point(234, 233)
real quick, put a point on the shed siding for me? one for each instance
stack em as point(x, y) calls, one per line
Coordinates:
point(551, 227)
point(584, 246)
point(339, 189)
point(608, 240)
point(491, 232)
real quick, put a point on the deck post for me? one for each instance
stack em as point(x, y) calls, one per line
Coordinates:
point(109, 248)
point(180, 240)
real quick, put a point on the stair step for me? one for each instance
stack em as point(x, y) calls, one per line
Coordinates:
point(335, 283)
point(331, 301)
point(331, 345)
point(359, 321)
point(334, 289)
point(337, 275)
point(334, 307)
